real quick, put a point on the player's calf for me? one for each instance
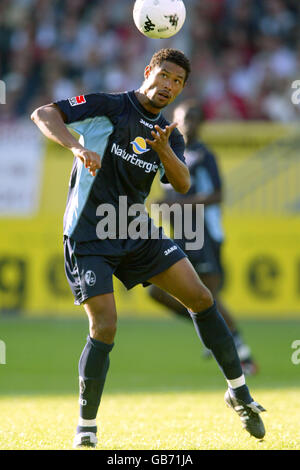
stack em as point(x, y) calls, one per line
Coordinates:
point(93, 367)
point(216, 336)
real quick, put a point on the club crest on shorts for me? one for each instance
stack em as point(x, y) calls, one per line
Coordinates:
point(90, 278)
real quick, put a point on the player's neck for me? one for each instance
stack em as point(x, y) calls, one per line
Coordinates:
point(146, 103)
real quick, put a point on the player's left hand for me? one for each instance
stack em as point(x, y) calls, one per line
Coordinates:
point(161, 137)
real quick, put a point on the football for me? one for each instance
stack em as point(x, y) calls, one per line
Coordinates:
point(159, 18)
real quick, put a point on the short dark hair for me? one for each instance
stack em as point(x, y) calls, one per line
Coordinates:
point(171, 55)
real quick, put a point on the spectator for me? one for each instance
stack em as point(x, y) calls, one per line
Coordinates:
point(244, 53)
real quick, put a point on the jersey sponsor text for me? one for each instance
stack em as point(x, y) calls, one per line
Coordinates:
point(133, 159)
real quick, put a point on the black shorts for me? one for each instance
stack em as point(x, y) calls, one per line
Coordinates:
point(89, 266)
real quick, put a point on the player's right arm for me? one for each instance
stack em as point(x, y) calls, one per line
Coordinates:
point(51, 122)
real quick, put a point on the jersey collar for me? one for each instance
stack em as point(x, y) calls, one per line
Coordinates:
point(141, 109)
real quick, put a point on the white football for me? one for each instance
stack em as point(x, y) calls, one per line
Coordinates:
point(159, 18)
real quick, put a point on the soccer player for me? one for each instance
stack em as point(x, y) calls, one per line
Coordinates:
point(206, 188)
point(124, 141)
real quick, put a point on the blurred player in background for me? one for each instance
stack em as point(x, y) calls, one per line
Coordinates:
point(206, 188)
point(124, 141)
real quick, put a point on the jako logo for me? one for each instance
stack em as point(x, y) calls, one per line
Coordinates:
point(147, 124)
point(169, 250)
point(139, 145)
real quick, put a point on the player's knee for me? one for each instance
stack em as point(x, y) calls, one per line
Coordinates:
point(202, 301)
point(104, 332)
point(103, 327)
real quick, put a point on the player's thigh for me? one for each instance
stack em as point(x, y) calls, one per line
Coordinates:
point(183, 283)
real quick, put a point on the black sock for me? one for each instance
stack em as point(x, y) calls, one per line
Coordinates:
point(216, 336)
point(241, 393)
point(93, 367)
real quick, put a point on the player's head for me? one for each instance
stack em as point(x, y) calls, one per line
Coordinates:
point(165, 77)
point(189, 116)
point(171, 55)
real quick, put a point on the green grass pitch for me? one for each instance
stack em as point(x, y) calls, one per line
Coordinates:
point(160, 392)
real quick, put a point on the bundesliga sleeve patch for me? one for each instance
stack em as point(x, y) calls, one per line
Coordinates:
point(76, 100)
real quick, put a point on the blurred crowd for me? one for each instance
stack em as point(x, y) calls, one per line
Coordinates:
point(245, 54)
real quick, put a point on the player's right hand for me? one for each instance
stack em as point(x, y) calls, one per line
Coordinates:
point(90, 159)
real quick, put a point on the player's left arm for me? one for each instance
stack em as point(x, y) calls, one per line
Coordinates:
point(176, 171)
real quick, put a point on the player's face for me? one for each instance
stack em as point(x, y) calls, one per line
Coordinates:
point(163, 84)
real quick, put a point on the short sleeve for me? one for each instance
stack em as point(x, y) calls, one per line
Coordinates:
point(79, 108)
point(178, 146)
